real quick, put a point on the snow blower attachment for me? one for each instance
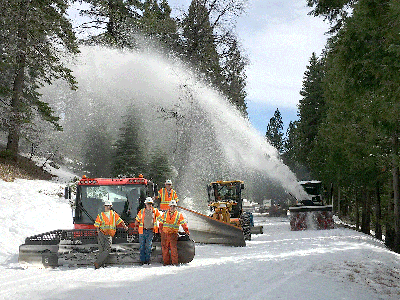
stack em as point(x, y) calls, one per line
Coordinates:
point(311, 213)
point(79, 246)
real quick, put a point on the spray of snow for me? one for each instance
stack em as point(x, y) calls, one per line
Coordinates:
point(206, 137)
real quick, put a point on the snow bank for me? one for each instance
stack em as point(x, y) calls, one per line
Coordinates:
point(30, 207)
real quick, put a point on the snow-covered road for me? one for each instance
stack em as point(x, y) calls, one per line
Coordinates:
point(279, 264)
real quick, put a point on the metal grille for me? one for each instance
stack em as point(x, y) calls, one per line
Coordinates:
point(80, 236)
point(47, 238)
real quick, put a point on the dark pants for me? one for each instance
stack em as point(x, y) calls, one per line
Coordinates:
point(145, 242)
point(105, 242)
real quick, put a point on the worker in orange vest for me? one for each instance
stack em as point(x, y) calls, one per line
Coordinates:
point(169, 224)
point(166, 194)
point(106, 224)
point(146, 219)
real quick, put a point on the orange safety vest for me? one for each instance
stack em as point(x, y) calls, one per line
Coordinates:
point(140, 219)
point(108, 226)
point(171, 222)
point(165, 198)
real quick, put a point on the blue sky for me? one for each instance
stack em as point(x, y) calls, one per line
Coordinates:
point(278, 37)
point(260, 113)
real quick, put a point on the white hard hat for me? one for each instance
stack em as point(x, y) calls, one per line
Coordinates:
point(168, 181)
point(107, 202)
point(148, 200)
point(173, 203)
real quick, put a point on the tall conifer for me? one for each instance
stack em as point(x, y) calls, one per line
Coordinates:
point(129, 159)
point(274, 132)
point(311, 109)
point(35, 36)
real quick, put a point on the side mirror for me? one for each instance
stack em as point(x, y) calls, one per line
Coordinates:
point(67, 193)
point(155, 188)
point(210, 191)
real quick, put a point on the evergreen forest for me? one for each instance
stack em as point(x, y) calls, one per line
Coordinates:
point(346, 135)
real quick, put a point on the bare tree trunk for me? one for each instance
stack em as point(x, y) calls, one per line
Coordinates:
point(338, 203)
point(396, 196)
point(378, 213)
point(357, 212)
point(366, 213)
point(389, 224)
point(111, 20)
point(18, 84)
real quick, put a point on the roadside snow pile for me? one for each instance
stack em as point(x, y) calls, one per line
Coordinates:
point(378, 276)
point(30, 207)
point(62, 173)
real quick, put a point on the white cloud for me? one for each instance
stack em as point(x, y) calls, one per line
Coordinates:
point(279, 38)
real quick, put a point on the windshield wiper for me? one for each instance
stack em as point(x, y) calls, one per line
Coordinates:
point(85, 211)
point(126, 212)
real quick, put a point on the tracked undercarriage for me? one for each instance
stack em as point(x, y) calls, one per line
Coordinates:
point(79, 247)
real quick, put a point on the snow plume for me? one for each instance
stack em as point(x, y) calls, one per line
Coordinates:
point(206, 138)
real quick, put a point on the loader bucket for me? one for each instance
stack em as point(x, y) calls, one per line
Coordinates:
point(204, 229)
point(311, 217)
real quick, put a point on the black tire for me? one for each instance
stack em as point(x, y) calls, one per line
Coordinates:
point(245, 222)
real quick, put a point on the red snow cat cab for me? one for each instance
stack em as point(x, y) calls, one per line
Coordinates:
point(311, 213)
point(78, 246)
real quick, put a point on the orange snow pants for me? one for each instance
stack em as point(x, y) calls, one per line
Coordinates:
point(169, 243)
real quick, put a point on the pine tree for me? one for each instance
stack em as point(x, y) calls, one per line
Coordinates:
point(118, 19)
point(157, 23)
point(209, 43)
point(199, 42)
point(311, 109)
point(274, 132)
point(35, 36)
point(289, 152)
point(336, 11)
point(129, 157)
point(97, 151)
point(159, 168)
point(365, 69)
point(233, 70)
point(361, 133)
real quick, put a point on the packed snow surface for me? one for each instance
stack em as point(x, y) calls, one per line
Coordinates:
point(279, 264)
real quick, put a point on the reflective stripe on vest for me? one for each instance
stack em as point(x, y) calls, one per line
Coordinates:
point(164, 204)
point(177, 219)
point(140, 219)
point(107, 225)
